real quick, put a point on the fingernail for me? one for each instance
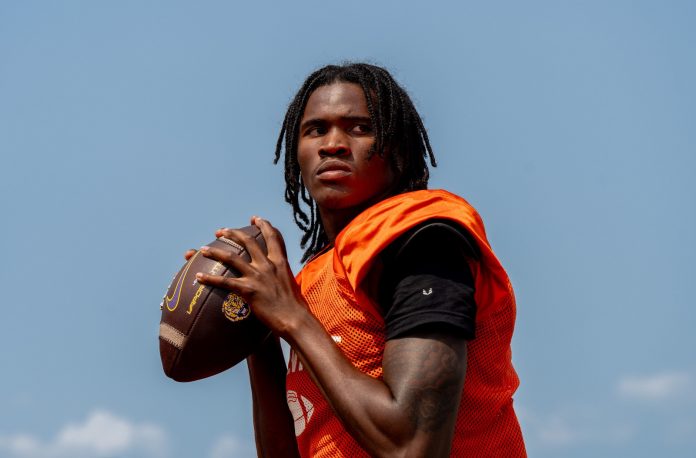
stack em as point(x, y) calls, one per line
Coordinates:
point(199, 276)
point(205, 249)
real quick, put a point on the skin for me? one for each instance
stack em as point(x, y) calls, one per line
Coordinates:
point(412, 410)
point(336, 136)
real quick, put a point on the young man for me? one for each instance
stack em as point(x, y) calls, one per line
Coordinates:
point(400, 321)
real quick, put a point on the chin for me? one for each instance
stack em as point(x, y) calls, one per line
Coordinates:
point(334, 203)
point(337, 200)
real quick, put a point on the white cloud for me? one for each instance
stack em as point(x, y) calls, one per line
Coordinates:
point(102, 434)
point(20, 444)
point(231, 447)
point(570, 427)
point(547, 430)
point(556, 431)
point(657, 387)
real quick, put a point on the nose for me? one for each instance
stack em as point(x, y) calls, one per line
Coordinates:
point(335, 144)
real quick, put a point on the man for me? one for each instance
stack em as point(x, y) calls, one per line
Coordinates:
point(400, 321)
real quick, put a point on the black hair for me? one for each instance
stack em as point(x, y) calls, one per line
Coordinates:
point(398, 129)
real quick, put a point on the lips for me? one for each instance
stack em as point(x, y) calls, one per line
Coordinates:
point(333, 169)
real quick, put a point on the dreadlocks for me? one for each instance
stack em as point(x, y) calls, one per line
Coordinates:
point(398, 129)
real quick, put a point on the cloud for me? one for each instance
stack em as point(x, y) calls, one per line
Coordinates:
point(557, 431)
point(573, 425)
point(102, 434)
point(570, 427)
point(548, 430)
point(657, 387)
point(230, 447)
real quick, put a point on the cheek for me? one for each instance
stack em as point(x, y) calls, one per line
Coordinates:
point(304, 164)
point(382, 172)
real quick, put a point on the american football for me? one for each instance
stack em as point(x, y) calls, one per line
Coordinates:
point(206, 330)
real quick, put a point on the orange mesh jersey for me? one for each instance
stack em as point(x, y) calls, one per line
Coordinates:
point(332, 285)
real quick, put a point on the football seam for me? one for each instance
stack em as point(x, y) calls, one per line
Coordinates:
point(231, 243)
point(171, 335)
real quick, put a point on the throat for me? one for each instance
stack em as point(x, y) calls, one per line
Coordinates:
point(334, 221)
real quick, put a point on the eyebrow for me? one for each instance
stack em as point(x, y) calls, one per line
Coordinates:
point(319, 121)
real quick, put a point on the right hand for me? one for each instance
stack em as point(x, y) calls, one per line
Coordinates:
point(265, 282)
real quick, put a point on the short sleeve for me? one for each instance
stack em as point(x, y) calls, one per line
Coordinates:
point(426, 280)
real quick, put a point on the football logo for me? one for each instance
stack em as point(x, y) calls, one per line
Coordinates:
point(176, 295)
point(234, 308)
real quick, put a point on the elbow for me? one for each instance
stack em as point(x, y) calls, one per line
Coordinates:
point(414, 446)
point(412, 452)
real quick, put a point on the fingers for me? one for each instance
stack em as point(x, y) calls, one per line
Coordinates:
point(247, 241)
point(226, 257)
point(250, 273)
point(273, 237)
point(189, 254)
point(228, 283)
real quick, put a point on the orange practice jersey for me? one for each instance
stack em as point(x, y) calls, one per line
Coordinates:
point(332, 285)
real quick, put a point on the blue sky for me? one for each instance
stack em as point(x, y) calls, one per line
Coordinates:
point(131, 130)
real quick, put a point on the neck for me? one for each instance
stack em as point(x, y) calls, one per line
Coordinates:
point(335, 220)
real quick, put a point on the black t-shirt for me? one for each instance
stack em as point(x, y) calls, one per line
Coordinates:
point(426, 280)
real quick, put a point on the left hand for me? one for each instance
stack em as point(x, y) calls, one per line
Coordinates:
point(266, 283)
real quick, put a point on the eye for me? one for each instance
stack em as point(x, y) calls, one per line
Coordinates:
point(362, 129)
point(315, 131)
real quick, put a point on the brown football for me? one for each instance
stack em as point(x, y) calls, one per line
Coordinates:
point(206, 330)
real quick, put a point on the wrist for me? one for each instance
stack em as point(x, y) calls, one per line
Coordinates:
point(297, 325)
point(268, 348)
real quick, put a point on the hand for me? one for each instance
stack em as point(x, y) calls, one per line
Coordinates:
point(266, 283)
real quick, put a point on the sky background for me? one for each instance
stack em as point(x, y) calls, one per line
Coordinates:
point(131, 130)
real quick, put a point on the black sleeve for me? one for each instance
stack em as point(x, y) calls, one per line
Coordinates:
point(426, 280)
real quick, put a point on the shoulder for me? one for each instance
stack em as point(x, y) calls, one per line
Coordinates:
point(371, 232)
point(425, 281)
point(384, 222)
point(435, 237)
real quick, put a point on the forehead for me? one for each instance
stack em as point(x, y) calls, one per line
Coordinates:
point(336, 100)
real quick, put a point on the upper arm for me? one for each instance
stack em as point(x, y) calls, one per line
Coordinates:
point(426, 279)
point(439, 234)
point(425, 355)
point(425, 372)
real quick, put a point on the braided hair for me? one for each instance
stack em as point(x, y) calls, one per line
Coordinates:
point(398, 129)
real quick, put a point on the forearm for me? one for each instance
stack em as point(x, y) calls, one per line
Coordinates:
point(273, 424)
point(361, 402)
point(404, 414)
